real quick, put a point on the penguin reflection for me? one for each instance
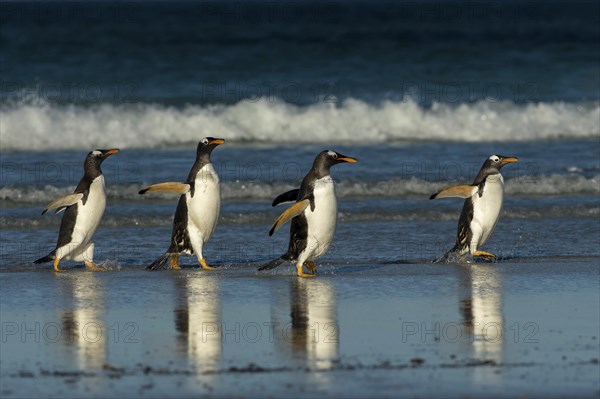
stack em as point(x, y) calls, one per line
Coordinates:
point(198, 320)
point(313, 331)
point(481, 309)
point(83, 326)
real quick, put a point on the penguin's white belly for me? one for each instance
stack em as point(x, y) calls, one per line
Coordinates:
point(322, 221)
point(486, 209)
point(204, 206)
point(88, 219)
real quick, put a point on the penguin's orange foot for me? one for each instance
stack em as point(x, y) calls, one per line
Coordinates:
point(484, 254)
point(310, 265)
point(95, 268)
point(205, 265)
point(174, 263)
point(301, 273)
point(56, 268)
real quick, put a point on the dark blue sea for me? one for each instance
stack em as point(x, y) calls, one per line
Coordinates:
point(77, 75)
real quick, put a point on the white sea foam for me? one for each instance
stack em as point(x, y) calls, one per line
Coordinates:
point(555, 184)
point(42, 127)
point(267, 217)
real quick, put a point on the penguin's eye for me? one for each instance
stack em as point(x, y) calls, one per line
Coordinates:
point(334, 155)
point(204, 141)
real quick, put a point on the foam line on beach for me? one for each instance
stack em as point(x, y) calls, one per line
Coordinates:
point(554, 184)
point(266, 217)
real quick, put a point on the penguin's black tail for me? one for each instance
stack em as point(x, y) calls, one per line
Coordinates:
point(445, 258)
point(275, 262)
point(48, 258)
point(453, 255)
point(161, 262)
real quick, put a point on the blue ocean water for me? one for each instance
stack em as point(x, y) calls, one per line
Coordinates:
point(77, 75)
point(420, 92)
point(301, 52)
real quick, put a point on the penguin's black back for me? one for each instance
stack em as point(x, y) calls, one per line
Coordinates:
point(180, 238)
point(84, 188)
point(299, 226)
point(191, 180)
point(67, 225)
point(298, 236)
point(69, 218)
point(464, 234)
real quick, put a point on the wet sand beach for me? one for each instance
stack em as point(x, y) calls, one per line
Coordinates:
point(512, 329)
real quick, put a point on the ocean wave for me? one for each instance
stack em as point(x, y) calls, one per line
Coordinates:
point(45, 126)
point(554, 184)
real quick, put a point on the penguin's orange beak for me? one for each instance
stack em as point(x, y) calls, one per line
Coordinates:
point(348, 159)
point(110, 152)
point(217, 141)
point(510, 160)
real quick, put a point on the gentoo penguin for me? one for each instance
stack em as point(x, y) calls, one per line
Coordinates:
point(481, 209)
point(83, 211)
point(197, 212)
point(314, 215)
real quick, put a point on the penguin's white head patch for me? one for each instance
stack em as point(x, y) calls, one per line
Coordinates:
point(204, 141)
point(495, 158)
point(96, 153)
point(332, 154)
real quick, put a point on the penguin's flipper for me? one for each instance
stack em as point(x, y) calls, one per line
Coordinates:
point(59, 210)
point(179, 188)
point(63, 202)
point(290, 196)
point(460, 191)
point(289, 213)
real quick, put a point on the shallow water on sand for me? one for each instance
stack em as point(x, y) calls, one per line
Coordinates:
point(527, 328)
